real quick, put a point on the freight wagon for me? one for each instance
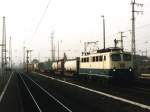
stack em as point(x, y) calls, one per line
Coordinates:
point(111, 64)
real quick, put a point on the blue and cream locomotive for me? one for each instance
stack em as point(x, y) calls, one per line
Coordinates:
point(110, 63)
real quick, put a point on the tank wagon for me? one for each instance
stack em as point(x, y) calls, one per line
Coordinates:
point(58, 67)
point(111, 63)
point(43, 67)
point(71, 67)
point(54, 66)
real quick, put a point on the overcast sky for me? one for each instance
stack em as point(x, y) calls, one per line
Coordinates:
point(73, 23)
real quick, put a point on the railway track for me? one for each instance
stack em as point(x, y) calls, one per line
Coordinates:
point(146, 90)
point(134, 92)
point(40, 99)
point(124, 94)
point(137, 86)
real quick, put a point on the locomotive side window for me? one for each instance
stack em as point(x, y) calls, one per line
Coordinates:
point(96, 58)
point(93, 59)
point(116, 57)
point(87, 59)
point(126, 57)
point(84, 59)
point(104, 58)
point(100, 58)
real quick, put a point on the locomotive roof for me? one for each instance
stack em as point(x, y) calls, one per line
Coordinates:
point(109, 50)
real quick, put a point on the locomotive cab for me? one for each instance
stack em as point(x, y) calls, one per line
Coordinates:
point(121, 66)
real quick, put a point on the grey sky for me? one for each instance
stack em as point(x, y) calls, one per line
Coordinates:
point(73, 21)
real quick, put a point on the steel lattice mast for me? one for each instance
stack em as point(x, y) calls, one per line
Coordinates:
point(4, 61)
point(133, 43)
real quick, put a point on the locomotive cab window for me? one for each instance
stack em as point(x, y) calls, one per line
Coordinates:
point(116, 57)
point(126, 57)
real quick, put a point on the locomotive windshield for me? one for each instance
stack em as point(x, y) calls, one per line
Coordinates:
point(126, 57)
point(116, 57)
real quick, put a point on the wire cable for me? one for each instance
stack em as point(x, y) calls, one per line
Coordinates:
point(42, 17)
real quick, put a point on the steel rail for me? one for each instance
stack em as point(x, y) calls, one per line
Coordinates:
point(101, 93)
point(30, 94)
point(50, 95)
point(6, 86)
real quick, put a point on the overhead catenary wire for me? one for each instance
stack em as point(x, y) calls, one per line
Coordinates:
point(129, 30)
point(39, 23)
point(146, 25)
point(42, 17)
point(138, 27)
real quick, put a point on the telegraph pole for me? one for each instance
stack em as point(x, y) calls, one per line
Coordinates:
point(103, 30)
point(133, 45)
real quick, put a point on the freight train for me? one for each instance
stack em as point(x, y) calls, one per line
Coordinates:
point(42, 67)
point(68, 67)
point(111, 64)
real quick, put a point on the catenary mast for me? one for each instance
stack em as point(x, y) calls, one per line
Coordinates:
point(4, 61)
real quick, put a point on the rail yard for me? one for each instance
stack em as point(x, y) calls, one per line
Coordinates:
point(54, 93)
point(82, 65)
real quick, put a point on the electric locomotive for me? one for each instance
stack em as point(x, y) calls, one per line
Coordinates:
point(110, 63)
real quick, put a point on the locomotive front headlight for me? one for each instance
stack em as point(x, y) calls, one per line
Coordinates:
point(114, 69)
point(130, 69)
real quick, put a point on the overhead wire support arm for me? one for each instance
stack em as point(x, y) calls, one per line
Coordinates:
point(122, 40)
point(119, 40)
point(88, 43)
